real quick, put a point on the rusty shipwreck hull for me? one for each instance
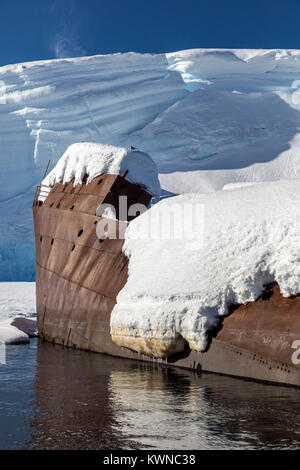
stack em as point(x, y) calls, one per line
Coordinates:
point(78, 277)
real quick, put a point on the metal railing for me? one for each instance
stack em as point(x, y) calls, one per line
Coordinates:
point(41, 193)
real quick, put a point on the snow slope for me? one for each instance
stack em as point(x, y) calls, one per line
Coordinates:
point(223, 137)
point(207, 118)
point(240, 121)
point(221, 249)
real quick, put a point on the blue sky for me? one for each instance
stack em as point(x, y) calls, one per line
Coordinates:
point(45, 29)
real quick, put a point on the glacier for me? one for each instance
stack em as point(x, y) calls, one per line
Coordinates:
point(208, 118)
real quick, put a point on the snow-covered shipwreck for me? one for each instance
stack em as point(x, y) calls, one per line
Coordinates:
point(79, 274)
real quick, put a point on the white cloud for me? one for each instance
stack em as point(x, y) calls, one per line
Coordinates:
point(67, 38)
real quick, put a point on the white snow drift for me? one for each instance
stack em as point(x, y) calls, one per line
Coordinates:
point(178, 288)
point(93, 159)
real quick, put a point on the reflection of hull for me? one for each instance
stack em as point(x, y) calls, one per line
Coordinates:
point(73, 406)
point(78, 279)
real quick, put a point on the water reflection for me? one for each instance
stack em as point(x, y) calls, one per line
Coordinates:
point(78, 400)
point(175, 409)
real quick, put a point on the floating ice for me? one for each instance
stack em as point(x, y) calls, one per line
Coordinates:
point(9, 334)
point(17, 299)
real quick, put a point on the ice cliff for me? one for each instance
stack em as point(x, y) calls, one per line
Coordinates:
point(207, 118)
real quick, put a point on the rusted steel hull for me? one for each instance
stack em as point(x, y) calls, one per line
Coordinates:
point(78, 278)
point(78, 275)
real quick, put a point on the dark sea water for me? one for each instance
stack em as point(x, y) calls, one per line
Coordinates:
point(53, 398)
